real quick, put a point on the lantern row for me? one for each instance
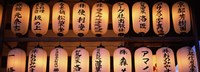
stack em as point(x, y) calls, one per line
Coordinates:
point(144, 60)
point(99, 18)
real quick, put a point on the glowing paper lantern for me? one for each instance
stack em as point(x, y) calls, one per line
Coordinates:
point(154, 63)
point(122, 60)
point(165, 60)
point(58, 60)
point(187, 60)
point(140, 17)
point(1, 14)
point(120, 18)
point(60, 18)
point(40, 18)
point(100, 60)
point(37, 60)
point(16, 60)
point(181, 17)
point(81, 18)
point(161, 18)
point(80, 60)
point(143, 60)
point(20, 18)
point(99, 18)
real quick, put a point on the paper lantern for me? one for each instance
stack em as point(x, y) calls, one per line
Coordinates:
point(120, 18)
point(40, 18)
point(16, 61)
point(81, 18)
point(58, 60)
point(143, 60)
point(37, 60)
point(20, 18)
point(1, 14)
point(99, 18)
point(161, 18)
point(181, 17)
point(140, 17)
point(187, 60)
point(165, 60)
point(122, 60)
point(100, 60)
point(60, 18)
point(80, 60)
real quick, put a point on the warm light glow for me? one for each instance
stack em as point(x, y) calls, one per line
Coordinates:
point(40, 18)
point(165, 60)
point(60, 18)
point(37, 60)
point(20, 18)
point(181, 17)
point(154, 63)
point(120, 18)
point(100, 60)
point(187, 60)
point(161, 18)
point(122, 60)
point(143, 60)
point(99, 18)
point(16, 60)
point(80, 60)
point(58, 60)
point(140, 17)
point(1, 14)
point(81, 18)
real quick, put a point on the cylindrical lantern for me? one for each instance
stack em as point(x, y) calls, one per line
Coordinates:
point(100, 60)
point(99, 18)
point(181, 17)
point(80, 60)
point(165, 60)
point(40, 18)
point(81, 18)
point(20, 18)
point(37, 60)
point(58, 60)
point(60, 18)
point(1, 14)
point(16, 61)
point(122, 60)
point(187, 60)
point(140, 17)
point(143, 60)
point(161, 18)
point(120, 18)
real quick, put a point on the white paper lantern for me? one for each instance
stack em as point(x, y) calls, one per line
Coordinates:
point(100, 60)
point(80, 60)
point(161, 18)
point(20, 18)
point(37, 60)
point(140, 17)
point(40, 18)
point(143, 60)
point(120, 18)
point(165, 60)
point(60, 18)
point(58, 60)
point(122, 60)
point(16, 61)
point(187, 60)
point(154, 63)
point(1, 14)
point(81, 18)
point(99, 18)
point(181, 17)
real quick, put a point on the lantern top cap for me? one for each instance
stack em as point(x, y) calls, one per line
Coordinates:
point(100, 46)
point(59, 46)
point(80, 46)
